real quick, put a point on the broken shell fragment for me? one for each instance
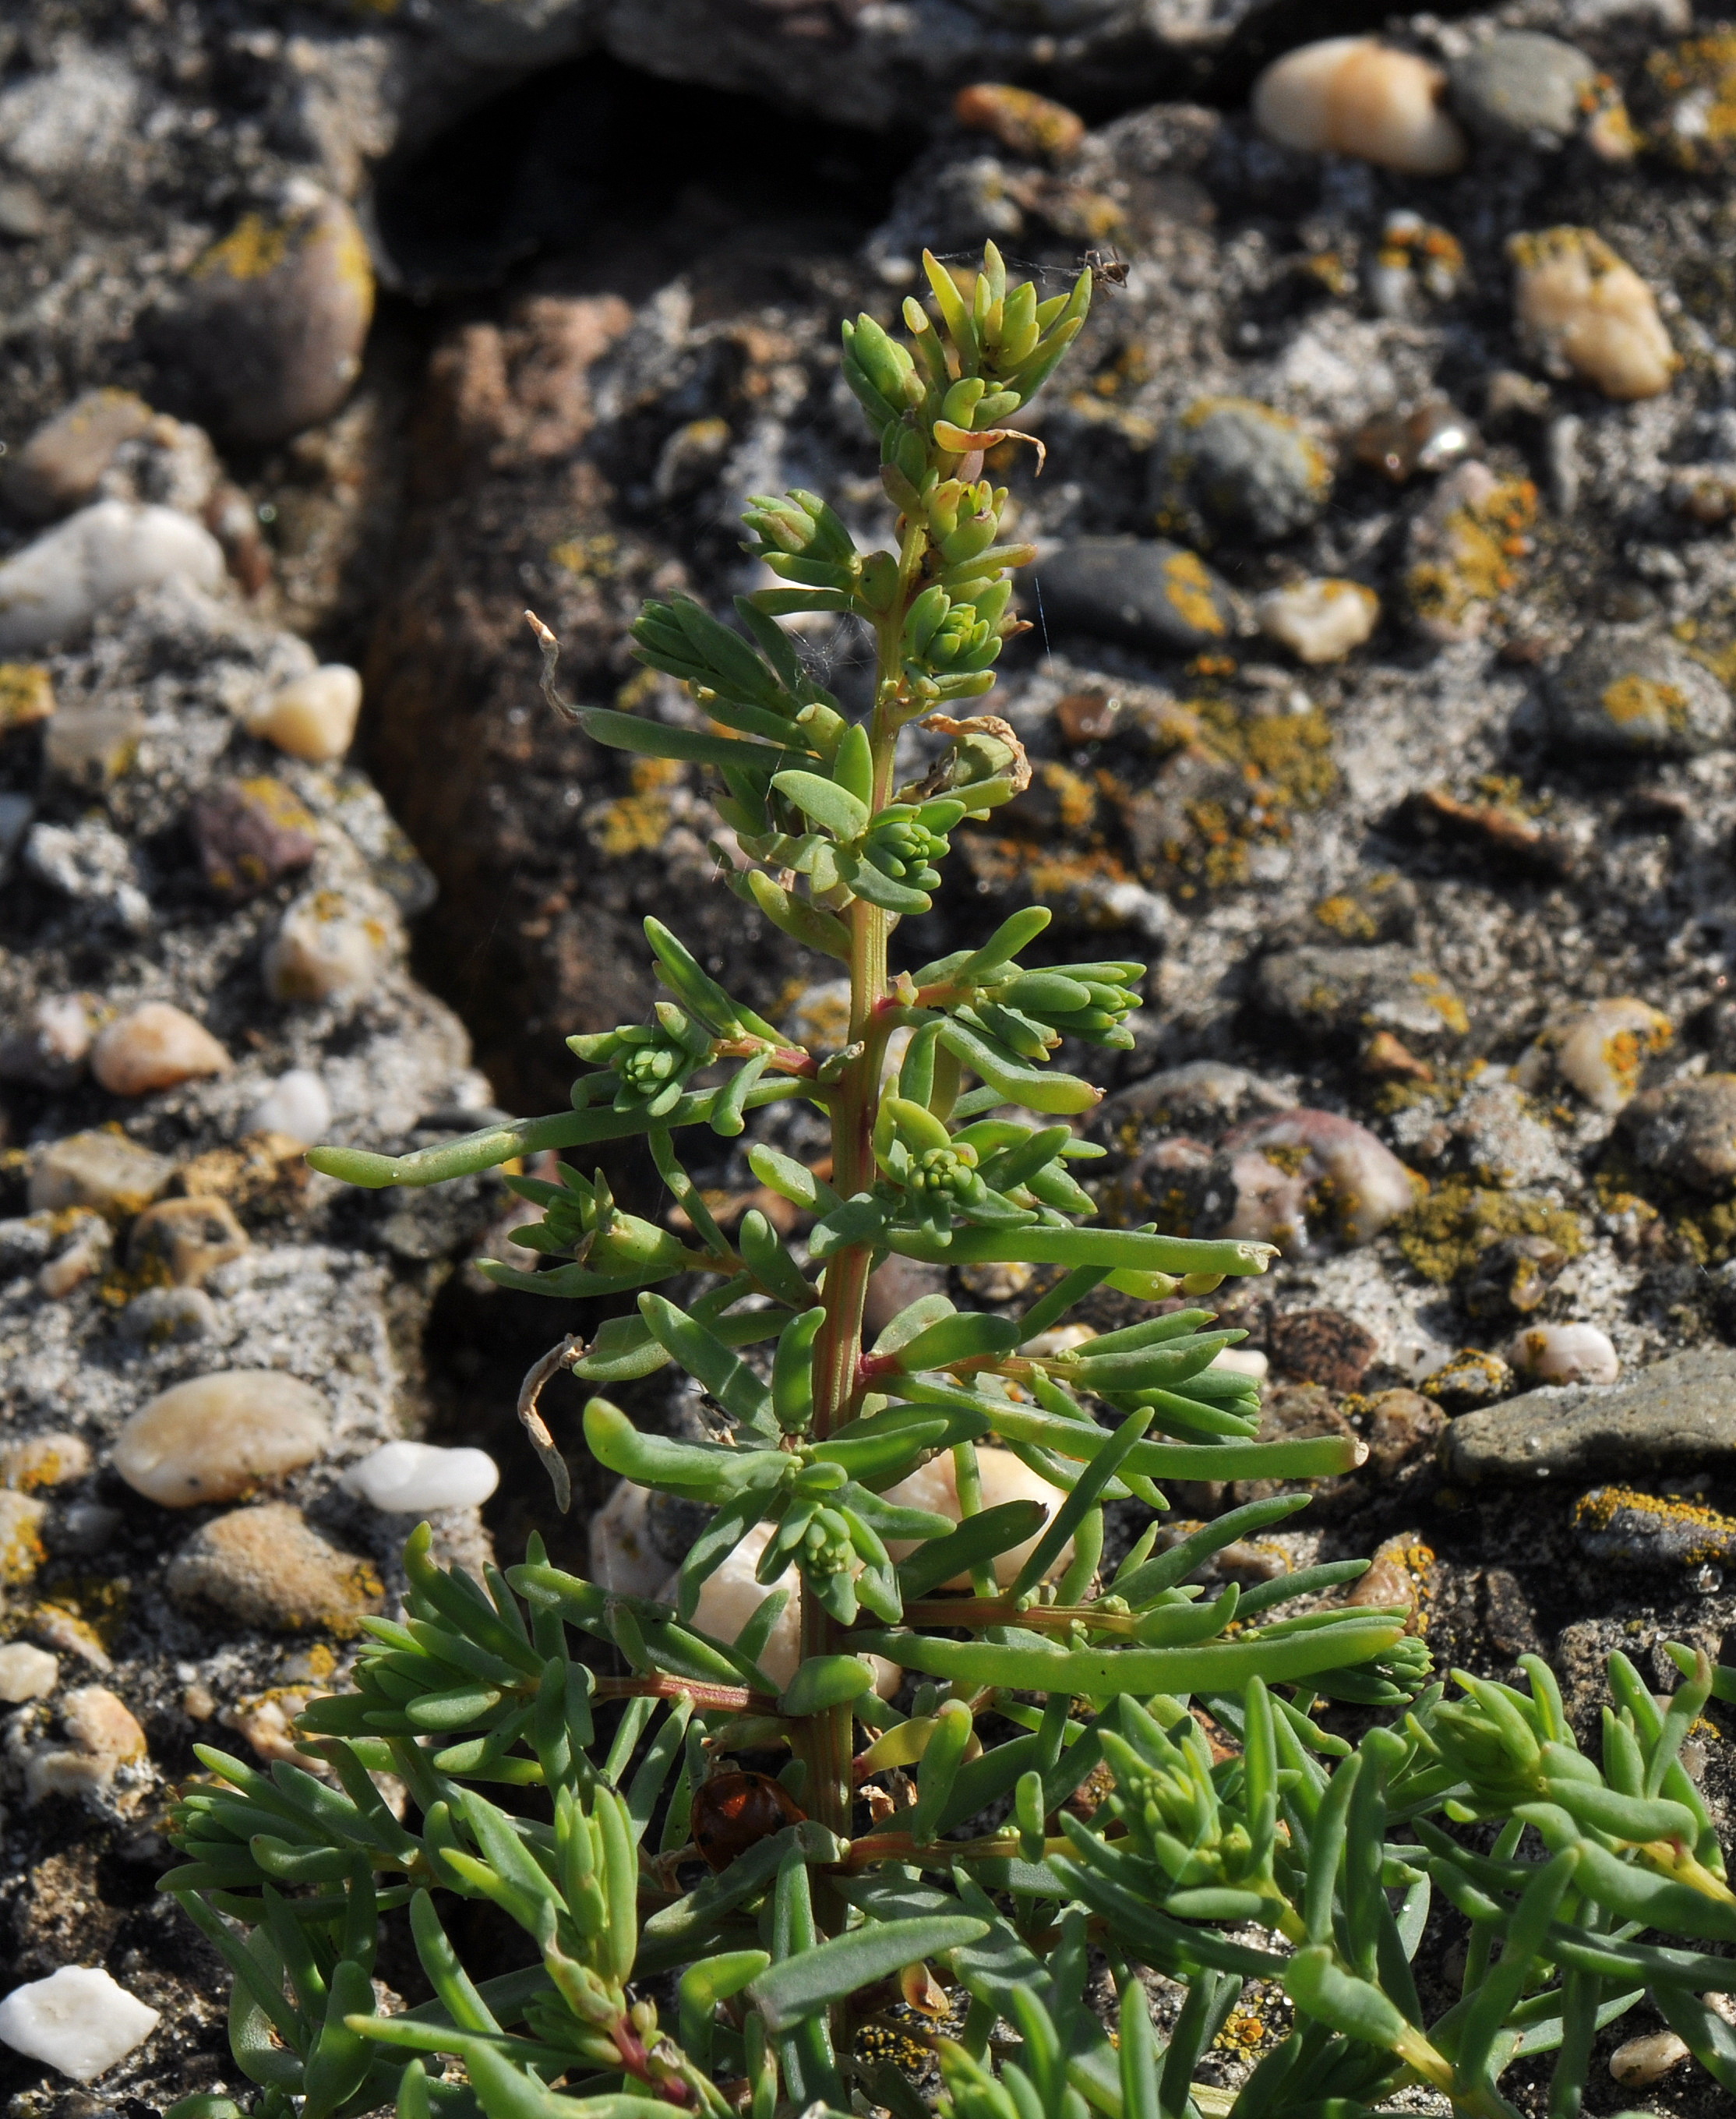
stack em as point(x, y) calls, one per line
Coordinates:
point(1582, 310)
point(1356, 95)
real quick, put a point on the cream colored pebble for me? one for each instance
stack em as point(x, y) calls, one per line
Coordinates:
point(217, 1437)
point(1356, 95)
point(1319, 620)
point(312, 717)
point(1601, 1052)
point(1564, 1354)
point(155, 1047)
point(26, 1673)
point(1582, 310)
point(1004, 1478)
point(1643, 2060)
point(107, 1736)
point(323, 947)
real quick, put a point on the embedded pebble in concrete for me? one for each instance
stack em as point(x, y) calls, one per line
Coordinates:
point(61, 464)
point(1473, 1378)
point(89, 748)
point(1461, 550)
point(1232, 467)
point(1687, 1130)
point(1673, 1419)
point(102, 1169)
point(46, 1459)
point(169, 1316)
point(105, 1736)
point(266, 332)
point(408, 1478)
point(1025, 123)
point(156, 1046)
point(268, 1567)
point(323, 947)
point(1628, 691)
point(1512, 1277)
point(1320, 620)
point(296, 1106)
point(54, 588)
point(1636, 1529)
point(1401, 1428)
point(1354, 95)
point(311, 717)
point(217, 1437)
point(49, 1049)
point(26, 696)
point(1602, 1053)
point(250, 832)
point(1323, 1346)
point(26, 1673)
point(1329, 992)
point(78, 2019)
point(1564, 1354)
point(1329, 1176)
point(1522, 89)
point(84, 1248)
point(1582, 310)
point(183, 1241)
point(1144, 590)
point(21, 1518)
point(94, 866)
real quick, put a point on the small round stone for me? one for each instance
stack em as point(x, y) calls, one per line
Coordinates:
point(168, 1317)
point(1564, 1354)
point(219, 1436)
point(1687, 1130)
point(26, 1673)
point(1639, 2062)
point(1232, 467)
point(78, 2020)
point(296, 1107)
point(22, 1518)
point(50, 1048)
point(1319, 620)
point(61, 464)
point(323, 947)
point(313, 717)
point(250, 832)
point(1582, 310)
point(35, 1461)
point(156, 1046)
point(266, 1567)
point(1522, 89)
point(1626, 691)
point(1603, 1052)
point(410, 1478)
point(266, 336)
point(1023, 121)
point(98, 1169)
point(1471, 1379)
point(183, 1241)
point(1354, 95)
point(54, 588)
point(1144, 590)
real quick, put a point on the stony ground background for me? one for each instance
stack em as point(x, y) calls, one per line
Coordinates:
point(430, 312)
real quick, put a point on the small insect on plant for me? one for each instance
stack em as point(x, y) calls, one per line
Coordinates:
point(981, 1770)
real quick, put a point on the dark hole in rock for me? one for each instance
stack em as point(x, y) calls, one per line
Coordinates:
point(593, 156)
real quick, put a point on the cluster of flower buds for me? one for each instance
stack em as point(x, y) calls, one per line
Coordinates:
point(1177, 1818)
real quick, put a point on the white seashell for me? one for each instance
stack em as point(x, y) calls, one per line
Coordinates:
point(1582, 310)
point(77, 2019)
point(1356, 95)
point(1564, 1354)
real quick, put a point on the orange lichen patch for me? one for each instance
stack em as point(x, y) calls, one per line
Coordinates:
point(1400, 1572)
point(1689, 1533)
point(1475, 548)
point(1188, 587)
point(1696, 83)
point(1023, 121)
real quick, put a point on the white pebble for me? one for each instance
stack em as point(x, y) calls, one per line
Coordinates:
point(1004, 1478)
point(312, 717)
point(154, 1047)
point(1644, 2060)
point(215, 1438)
point(1582, 310)
point(1244, 1361)
point(1319, 620)
point(408, 1478)
point(77, 2019)
point(26, 1673)
point(295, 1105)
point(1356, 95)
point(1060, 1339)
point(323, 947)
point(622, 1557)
point(1602, 1052)
point(53, 589)
point(1564, 1354)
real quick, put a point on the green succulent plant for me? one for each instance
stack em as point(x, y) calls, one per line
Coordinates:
point(1075, 1761)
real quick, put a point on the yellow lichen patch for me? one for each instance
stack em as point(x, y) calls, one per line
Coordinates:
point(1443, 1236)
point(635, 823)
point(591, 557)
point(1075, 797)
point(1476, 547)
point(1446, 1004)
point(96, 1603)
point(22, 1550)
point(1188, 587)
point(1694, 82)
point(1642, 699)
point(253, 247)
point(1700, 1534)
point(26, 695)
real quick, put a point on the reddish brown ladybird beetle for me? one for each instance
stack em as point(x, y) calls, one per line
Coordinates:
point(734, 1811)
